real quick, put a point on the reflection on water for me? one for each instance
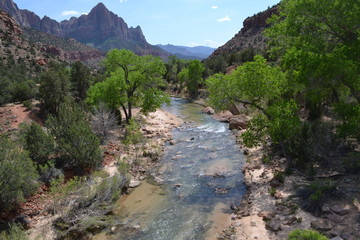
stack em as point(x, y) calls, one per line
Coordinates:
point(201, 182)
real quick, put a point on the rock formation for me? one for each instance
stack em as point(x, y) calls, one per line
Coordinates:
point(250, 36)
point(100, 28)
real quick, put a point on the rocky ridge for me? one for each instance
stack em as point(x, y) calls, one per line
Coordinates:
point(34, 46)
point(250, 36)
point(101, 28)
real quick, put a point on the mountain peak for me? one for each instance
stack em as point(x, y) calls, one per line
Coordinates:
point(100, 7)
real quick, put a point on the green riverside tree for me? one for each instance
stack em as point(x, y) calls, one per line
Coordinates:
point(196, 70)
point(318, 44)
point(136, 79)
point(263, 88)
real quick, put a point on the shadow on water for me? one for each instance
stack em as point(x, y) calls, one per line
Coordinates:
point(202, 174)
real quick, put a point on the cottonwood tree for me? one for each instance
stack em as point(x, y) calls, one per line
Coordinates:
point(318, 44)
point(196, 70)
point(262, 88)
point(136, 81)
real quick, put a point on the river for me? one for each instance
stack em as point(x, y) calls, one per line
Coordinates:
point(202, 178)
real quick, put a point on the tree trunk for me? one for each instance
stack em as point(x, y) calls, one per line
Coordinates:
point(126, 114)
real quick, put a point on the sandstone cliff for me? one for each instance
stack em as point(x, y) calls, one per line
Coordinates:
point(101, 28)
point(31, 46)
point(250, 36)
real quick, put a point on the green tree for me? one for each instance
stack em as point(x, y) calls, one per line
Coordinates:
point(80, 79)
point(54, 88)
point(183, 77)
point(196, 70)
point(37, 142)
point(318, 44)
point(264, 89)
point(18, 175)
point(76, 143)
point(137, 79)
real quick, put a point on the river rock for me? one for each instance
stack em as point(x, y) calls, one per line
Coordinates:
point(134, 184)
point(321, 225)
point(239, 122)
point(177, 157)
point(223, 116)
point(221, 191)
point(208, 110)
point(172, 142)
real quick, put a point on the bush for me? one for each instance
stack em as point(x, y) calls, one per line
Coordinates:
point(18, 175)
point(306, 235)
point(132, 133)
point(37, 142)
point(76, 143)
point(28, 104)
point(14, 233)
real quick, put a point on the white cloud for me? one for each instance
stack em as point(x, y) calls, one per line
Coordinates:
point(71, 12)
point(122, 1)
point(224, 19)
point(206, 43)
point(214, 7)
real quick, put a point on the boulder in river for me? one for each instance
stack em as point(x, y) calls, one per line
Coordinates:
point(223, 116)
point(239, 122)
point(208, 110)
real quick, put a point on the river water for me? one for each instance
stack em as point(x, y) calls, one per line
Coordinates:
point(202, 178)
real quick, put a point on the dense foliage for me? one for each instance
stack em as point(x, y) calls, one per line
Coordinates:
point(54, 87)
point(77, 145)
point(133, 81)
point(314, 74)
point(306, 235)
point(38, 143)
point(18, 175)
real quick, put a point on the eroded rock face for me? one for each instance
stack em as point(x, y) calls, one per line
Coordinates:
point(100, 28)
point(250, 36)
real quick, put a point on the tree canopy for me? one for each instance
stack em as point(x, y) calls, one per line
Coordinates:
point(133, 81)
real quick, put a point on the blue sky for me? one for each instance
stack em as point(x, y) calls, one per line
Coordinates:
point(179, 22)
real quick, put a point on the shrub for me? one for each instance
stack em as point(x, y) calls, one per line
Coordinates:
point(18, 174)
point(14, 232)
point(37, 142)
point(132, 133)
point(28, 104)
point(306, 235)
point(76, 143)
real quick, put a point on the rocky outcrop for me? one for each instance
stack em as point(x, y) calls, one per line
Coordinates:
point(99, 28)
point(250, 36)
point(12, 9)
point(31, 45)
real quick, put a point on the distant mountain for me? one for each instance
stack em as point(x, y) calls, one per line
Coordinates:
point(184, 52)
point(101, 28)
point(32, 46)
point(250, 38)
